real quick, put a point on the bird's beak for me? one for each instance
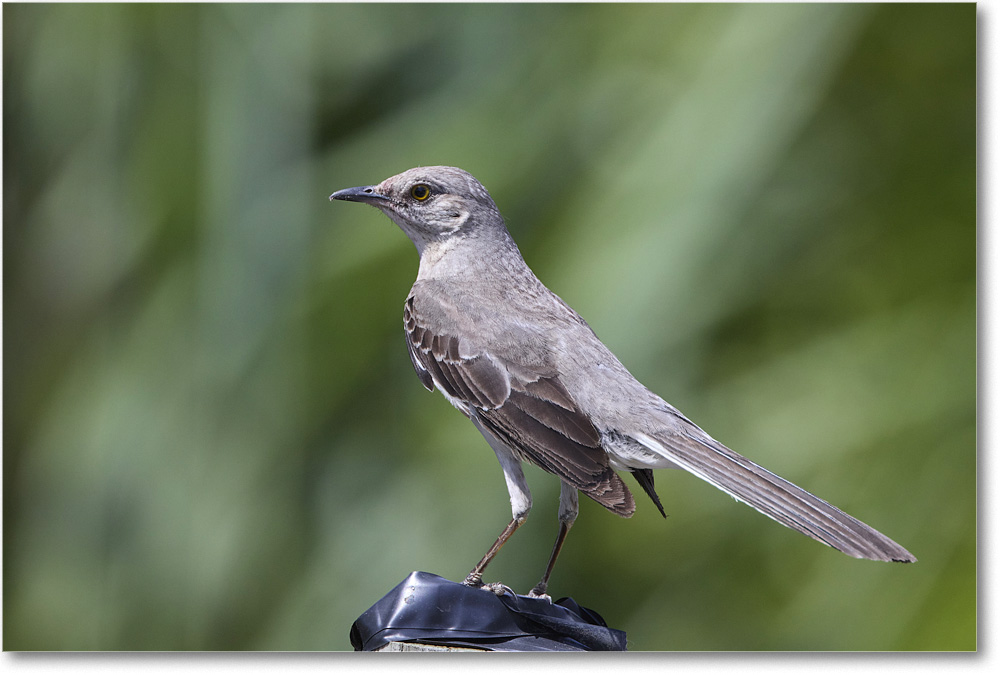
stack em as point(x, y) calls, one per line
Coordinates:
point(366, 194)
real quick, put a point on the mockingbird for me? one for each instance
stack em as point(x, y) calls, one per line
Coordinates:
point(540, 386)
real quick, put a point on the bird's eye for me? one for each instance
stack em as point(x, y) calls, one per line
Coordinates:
point(420, 192)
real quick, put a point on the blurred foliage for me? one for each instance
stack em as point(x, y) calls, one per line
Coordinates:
point(213, 438)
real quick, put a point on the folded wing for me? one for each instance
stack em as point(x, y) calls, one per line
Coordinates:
point(523, 404)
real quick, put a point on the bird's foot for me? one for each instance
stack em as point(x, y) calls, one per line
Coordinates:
point(476, 581)
point(498, 589)
point(539, 592)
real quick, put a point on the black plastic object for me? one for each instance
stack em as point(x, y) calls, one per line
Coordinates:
point(429, 609)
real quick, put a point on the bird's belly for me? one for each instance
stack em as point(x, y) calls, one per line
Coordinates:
point(626, 453)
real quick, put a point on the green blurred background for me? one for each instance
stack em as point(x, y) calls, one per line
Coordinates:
point(213, 438)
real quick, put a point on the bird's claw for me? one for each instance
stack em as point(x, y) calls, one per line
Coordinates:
point(539, 593)
point(498, 589)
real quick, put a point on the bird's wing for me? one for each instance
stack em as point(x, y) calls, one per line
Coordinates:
point(521, 402)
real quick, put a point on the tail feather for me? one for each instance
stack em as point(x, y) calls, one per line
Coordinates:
point(773, 496)
point(645, 479)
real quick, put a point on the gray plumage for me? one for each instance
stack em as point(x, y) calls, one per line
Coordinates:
point(541, 387)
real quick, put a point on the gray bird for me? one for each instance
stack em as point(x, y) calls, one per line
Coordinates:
point(541, 387)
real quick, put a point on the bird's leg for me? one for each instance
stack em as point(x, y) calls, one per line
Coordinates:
point(539, 591)
point(475, 577)
point(569, 507)
point(520, 504)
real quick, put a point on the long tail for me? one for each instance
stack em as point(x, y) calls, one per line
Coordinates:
point(772, 495)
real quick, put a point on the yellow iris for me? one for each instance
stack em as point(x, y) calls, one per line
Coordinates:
point(420, 192)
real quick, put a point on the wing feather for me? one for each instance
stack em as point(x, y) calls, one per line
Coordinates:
point(525, 406)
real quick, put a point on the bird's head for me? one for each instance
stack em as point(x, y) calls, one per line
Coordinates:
point(430, 204)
